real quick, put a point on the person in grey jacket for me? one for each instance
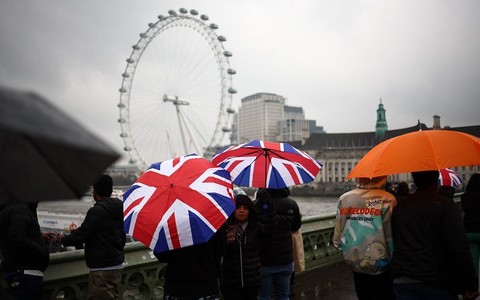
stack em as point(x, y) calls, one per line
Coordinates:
point(104, 238)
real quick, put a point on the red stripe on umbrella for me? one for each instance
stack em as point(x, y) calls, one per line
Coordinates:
point(172, 228)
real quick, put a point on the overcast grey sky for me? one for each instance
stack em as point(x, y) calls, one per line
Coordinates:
point(333, 58)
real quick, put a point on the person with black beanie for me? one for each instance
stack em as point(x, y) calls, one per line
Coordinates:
point(431, 257)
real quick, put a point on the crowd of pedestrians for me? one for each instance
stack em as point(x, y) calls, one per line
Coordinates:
point(398, 244)
point(411, 245)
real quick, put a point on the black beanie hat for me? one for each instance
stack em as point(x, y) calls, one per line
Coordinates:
point(425, 178)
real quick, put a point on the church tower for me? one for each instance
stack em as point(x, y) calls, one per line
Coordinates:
point(381, 126)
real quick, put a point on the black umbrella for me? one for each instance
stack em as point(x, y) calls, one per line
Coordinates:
point(45, 154)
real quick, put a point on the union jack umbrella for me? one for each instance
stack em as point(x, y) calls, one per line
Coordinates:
point(265, 164)
point(448, 177)
point(178, 203)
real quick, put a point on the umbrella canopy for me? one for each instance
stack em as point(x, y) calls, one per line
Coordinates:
point(265, 164)
point(419, 151)
point(448, 177)
point(45, 154)
point(178, 203)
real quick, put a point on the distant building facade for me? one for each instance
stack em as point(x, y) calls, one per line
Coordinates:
point(258, 117)
point(265, 116)
point(340, 152)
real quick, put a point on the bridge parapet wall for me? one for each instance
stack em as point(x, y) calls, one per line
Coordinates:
point(67, 274)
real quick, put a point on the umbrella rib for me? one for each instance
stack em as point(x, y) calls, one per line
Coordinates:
point(54, 168)
point(243, 173)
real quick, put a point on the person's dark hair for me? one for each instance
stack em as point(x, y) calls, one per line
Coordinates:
point(103, 186)
point(402, 189)
point(446, 190)
point(473, 183)
point(425, 178)
point(283, 192)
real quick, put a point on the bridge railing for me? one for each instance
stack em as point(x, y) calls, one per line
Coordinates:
point(67, 274)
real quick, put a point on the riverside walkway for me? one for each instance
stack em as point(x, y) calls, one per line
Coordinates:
point(333, 282)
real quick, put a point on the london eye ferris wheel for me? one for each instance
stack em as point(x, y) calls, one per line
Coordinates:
point(176, 92)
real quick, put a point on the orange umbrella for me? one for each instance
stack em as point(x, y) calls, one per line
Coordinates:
point(419, 151)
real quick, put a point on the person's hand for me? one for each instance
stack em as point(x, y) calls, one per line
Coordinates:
point(231, 233)
point(470, 295)
point(59, 238)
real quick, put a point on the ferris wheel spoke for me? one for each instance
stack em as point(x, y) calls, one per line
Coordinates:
point(180, 56)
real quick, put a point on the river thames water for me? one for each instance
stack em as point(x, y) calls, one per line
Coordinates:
point(309, 206)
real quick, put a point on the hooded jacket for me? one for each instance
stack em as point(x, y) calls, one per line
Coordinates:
point(471, 204)
point(363, 226)
point(241, 261)
point(103, 234)
point(193, 272)
point(277, 248)
point(21, 241)
point(430, 242)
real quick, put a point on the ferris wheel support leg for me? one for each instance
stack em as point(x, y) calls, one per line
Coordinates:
point(192, 140)
point(181, 129)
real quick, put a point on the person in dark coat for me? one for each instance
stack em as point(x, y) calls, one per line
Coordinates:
point(240, 278)
point(447, 190)
point(193, 272)
point(25, 255)
point(276, 250)
point(471, 220)
point(431, 257)
point(104, 238)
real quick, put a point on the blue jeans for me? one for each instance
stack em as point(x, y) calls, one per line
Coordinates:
point(275, 280)
point(421, 291)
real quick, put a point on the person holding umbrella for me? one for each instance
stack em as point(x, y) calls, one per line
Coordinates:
point(431, 259)
point(193, 272)
point(363, 234)
point(471, 207)
point(276, 250)
point(240, 278)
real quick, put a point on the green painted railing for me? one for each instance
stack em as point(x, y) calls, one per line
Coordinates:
point(67, 274)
